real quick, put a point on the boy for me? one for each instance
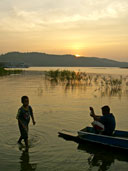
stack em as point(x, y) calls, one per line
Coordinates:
point(23, 117)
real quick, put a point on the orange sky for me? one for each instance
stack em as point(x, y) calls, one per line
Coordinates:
point(85, 27)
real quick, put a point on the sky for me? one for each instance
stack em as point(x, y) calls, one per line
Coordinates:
point(93, 28)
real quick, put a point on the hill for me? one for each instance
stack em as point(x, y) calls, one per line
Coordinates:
point(43, 59)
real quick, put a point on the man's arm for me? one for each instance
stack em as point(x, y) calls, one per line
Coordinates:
point(93, 115)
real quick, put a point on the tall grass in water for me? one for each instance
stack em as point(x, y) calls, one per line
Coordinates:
point(106, 84)
point(64, 75)
point(4, 72)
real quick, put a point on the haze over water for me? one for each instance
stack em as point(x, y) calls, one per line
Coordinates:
point(57, 107)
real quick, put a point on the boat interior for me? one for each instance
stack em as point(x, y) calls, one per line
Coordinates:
point(116, 133)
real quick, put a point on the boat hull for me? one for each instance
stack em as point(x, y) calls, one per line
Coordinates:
point(118, 140)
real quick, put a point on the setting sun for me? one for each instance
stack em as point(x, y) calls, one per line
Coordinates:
point(77, 55)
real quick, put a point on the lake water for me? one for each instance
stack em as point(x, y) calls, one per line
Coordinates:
point(58, 106)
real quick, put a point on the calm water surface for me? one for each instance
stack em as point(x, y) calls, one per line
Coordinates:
point(57, 107)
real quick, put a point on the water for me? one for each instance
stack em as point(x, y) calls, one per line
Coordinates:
point(103, 70)
point(56, 107)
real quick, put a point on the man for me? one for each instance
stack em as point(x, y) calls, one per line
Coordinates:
point(108, 120)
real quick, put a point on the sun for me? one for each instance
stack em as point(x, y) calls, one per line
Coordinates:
point(77, 55)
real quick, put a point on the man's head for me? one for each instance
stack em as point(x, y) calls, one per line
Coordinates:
point(105, 110)
point(25, 100)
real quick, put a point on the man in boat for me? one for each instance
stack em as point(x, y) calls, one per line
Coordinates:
point(107, 120)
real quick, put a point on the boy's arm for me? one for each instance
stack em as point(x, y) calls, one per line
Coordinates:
point(33, 120)
point(18, 118)
point(32, 116)
point(22, 124)
point(18, 114)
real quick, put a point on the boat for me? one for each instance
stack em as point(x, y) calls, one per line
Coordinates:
point(119, 139)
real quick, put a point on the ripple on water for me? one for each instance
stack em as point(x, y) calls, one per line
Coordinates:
point(37, 140)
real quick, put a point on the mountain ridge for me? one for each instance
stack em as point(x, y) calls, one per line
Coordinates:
point(44, 59)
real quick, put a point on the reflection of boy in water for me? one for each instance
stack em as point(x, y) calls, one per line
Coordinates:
point(23, 116)
point(25, 164)
point(108, 119)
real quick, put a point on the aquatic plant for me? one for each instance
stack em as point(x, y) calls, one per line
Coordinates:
point(106, 84)
point(64, 75)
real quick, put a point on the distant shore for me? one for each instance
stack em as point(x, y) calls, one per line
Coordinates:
point(124, 67)
point(4, 72)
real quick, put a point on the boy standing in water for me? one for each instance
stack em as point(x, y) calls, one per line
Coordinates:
point(23, 117)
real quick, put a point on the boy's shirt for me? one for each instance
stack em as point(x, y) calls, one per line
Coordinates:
point(24, 115)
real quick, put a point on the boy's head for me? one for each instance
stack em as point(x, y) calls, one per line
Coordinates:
point(105, 110)
point(25, 100)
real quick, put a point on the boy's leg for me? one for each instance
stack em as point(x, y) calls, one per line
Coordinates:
point(26, 142)
point(20, 139)
point(21, 132)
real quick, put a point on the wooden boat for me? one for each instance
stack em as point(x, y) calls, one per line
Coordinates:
point(119, 139)
point(99, 153)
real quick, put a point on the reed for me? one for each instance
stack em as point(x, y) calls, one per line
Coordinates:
point(106, 84)
point(64, 75)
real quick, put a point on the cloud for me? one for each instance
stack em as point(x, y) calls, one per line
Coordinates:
point(21, 20)
point(38, 15)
